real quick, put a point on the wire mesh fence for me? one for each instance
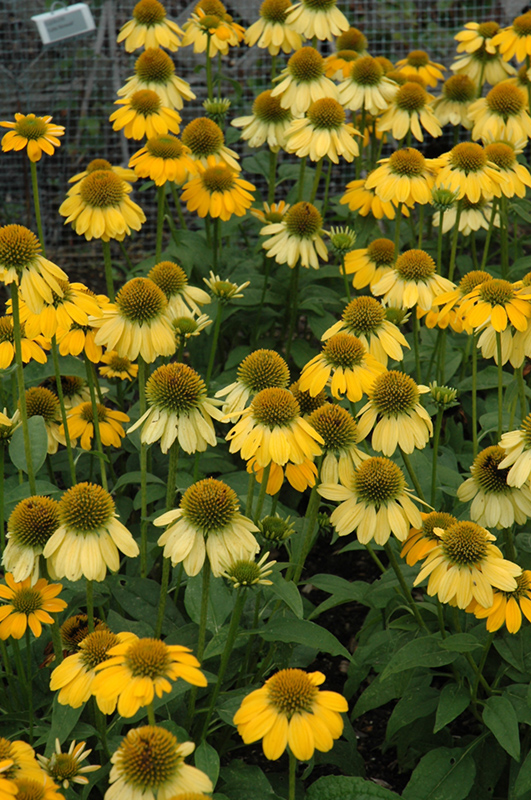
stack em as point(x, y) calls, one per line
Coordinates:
point(76, 81)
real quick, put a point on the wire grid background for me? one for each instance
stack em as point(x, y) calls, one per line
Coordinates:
point(76, 81)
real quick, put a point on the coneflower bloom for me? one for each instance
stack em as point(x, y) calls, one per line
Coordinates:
point(155, 71)
point(271, 30)
point(150, 27)
point(304, 81)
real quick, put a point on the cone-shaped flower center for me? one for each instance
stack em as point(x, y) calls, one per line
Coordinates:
point(86, 508)
point(268, 109)
point(506, 99)
point(319, 5)
point(244, 572)
point(411, 97)
point(149, 12)
point(31, 127)
point(460, 89)
point(522, 24)
point(291, 691)
point(415, 265)
point(468, 157)
point(148, 757)
point(94, 648)
point(165, 146)
point(303, 220)
point(18, 247)
point(7, 754)
point(148, 658)
point(211, 8)
point(29, 789)
point(140, 300)
point(75, 629)
point(382, 252)
point(306, 402)
point(275, 10)
point(336, 426)
point(364, 315)
point(209, 505)
point(394, 393)
point(353, 39)
point(169, 277)
point(97, 164)
point(203, 136)
point(41, 402)
point(326, 113)
point(367, 71)
point(7, 332)
point(418, 58)
point(27, 600)
point(184, 325)
point(501, 154)
point(486, 473)
point(154, 66)
point(219, 178)
point(306, 65)
point(347, 55)
point(145, 102)
point(102, 189)
point(488, 29)
point(87, 413)
point(472, 279)
point(436, 519)
point(275, 407)
point(263, 369)
point(63, 766)
point(378, 480)
point(176, 388)
point(465, 543)
point(496, 292)
point(33, 521)
point(344, 350)
point(407, 161)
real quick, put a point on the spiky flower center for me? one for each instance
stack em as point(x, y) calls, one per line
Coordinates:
point(468, 157)
point(140, 301)
point(336, 426)
point(29, 789)
point(465, 543)
point(522, 24)
point(275, 407)
point(7, 332)
point(148, 758)
point(169, 277)
point(185, 325)
point(145, 102)
point(363, 315)
point(506, 100)
point(522, 76)
point(353, 39)
point(407, 161)
point(27, 600)
point(41, 402)
point(71, 385)
point(175, 388)
point(203, 136)
point(94, 648)
point(18, 247)
point(472, 279)
point(86, 508)
point(415, 265)
point(263, 369)
point(33, 521)
point(525, 427)
point(97, 164)
point(486, 473)
point(268, 109)
point(523, 587)
point(319, 5)
point(154, 66)
point(436, 519)
point(344, 350)
point(496, 292)
point(62, 766)
point(303, 220)
point(378, 481)
point(87, 414)
point(7, 754)
point(501, 154)
point(460, 89)
point(488, 29)
point(75, 629)
point(306, 65)
point(381, 252)
point(32, 128)
point(418, 58)
point(306, 402)
point(275, 10)
point(149, 12)
point(102, 189)
point(291, 691)
point(219, 178)
point(347, 55)
point(411, 97)
point(394, 393)
point(212, 8)
point(165, 146)
point(209, 505)
point(366, 71)
point(148, 658)
point(244, 572)
point(326, 113)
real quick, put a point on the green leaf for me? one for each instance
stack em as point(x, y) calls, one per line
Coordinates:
point(422, 652)
point(442, 774)
point(452, 702)
point(288, 593)
point(64, 719)
point(246, 782)
point(300, 631)
point(220, 602)
point(38, 445)
point(460, 643)
point(135, 477)
point(380, 692)
point(341, 787)
point(523, 779)
point(500, 717)
point(207, 760)
point(418, 701)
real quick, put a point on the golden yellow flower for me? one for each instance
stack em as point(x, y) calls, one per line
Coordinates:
point(41, 402)
point(418, 62)
point(339, 64)
point(483, 65)
point(303, 82)
point(261, 369)
point(210, 26)
point(413, 281)
point(497, 302)
point(150, 27)
point(340, 435)
point(205, 139)
point(297, 237)
point(66, 767)
point(467, 171)
point(472, 217)
point(143, 114)
point(317, 18)
point(516, 39)
point(420, 541)
point(182, 298)
point(31, 347)
point(517, 176)
point(27, 605)
point(40, 786)
point(322, 132)
point(30, 525)
point(405, 177)
point(17, 759)
point(367, 87)
point(163, 158)
point(73, 306)
point(38, 134)
point(359, 198)
point(289, 710)
point(502, 114)
point(410, 111)
point(155, 71)
point(81, 425)
point(101, 163)
point(517, 449)
point(271, 30)
point(118, 367)
point(507, 607)
point(451, 107)
point(476, 35)
point(269, 122)
point(218, 191)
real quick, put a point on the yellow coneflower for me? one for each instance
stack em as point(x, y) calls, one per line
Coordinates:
point(269, 122)
point(155, 71)
point(30, 525)
point(41, 402)
point(418, 62)
point(102, 163)
point(27, 605)
point(466, 170)
point(31, 347)
point(81, 425)
point(409, 111)
point(318, 18)
point(516, 39)
point(210, 24)
point(497, 303)
point(262, 369)
point(218, 191)
point(37, 134)
point(150, 27)
point(412, 281)
point(339, 64)
point(271, 30)
point(476, 35)
point(502, 114)
point(507, 607)
point(420, 541)
point(517, 454)
point(451, 107)
point(66, 768)
point(118, 367)
point(304, 81)
point(323, 132)
point(359, 198)
point(340, 435)
point(483, 65)
point(517, 176)
point(472, 216)
point(163, 158)
point(74, 305)
point(297, 237)
point(205, 139)
point(143, 114)
point(405, 177)
point(182, 298)
point(367, 87)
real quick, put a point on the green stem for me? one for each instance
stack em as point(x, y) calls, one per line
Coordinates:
point(310, 518)
point(455, 237)
point(37, 205)
point(225, 656)
point(273, 157)
point(64, 418)
point(178, 207)
point(267, 272)
point(345, 278)
point(435, 453)
point(474, 395)
point(440, 243)
point(416, 345)
point(210, 90)
point(292, 775)
point(500, 383)
point(504, 237)
point(109, 280)
point(421, 226)
point(398, 220)
point(315, 186)
point(21, 673)
point(483, 660)
point(21, 389)
point(249, 649)
point(327, 187)
point(521, 391)
point(214, 345)
point(55, 630)
point(250, 494)
point(489, 233)
point(263, 490)
point(411, 471)
point(201, 637)
point(161, 196)
point(14, 686)
point(165, 577)
point(215, 243)
point(359, 159)
point(301, 179)
point(142, 377)
point(2, 524)
point(96, 421)
point(375, 558)
point(510, 551)
point(29, 673)
point(90, 605)
point(150, 714)
point(403, 585)
point(101, 727)
point(294, 305)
